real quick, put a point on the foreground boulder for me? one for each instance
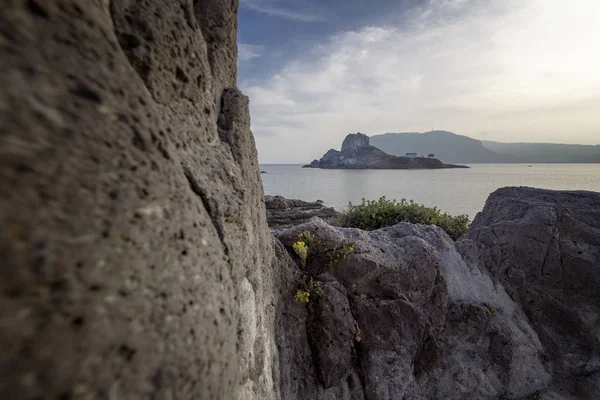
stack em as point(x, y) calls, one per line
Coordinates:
point(437, 320)
point(136, 258)
point(544, 248)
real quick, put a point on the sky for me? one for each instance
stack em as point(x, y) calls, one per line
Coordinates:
point(504, 70)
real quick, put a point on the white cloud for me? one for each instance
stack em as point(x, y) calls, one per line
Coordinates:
point(517, 72)
point(271, 8)
point(247, 52)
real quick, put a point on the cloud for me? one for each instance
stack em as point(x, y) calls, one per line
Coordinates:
point(247, 52)
point(462, 65)
point(273, 9)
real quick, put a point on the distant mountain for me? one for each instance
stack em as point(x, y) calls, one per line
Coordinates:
point(458, 149)
point(447, 146)
point(547, 152)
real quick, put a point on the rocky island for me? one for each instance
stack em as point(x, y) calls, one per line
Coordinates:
point(357, 153)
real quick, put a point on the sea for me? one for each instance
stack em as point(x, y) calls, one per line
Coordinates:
point(456, 191)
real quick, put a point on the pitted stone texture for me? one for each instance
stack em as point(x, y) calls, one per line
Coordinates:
point(132, 225)
point(544, 247)
point(509, 311)
point(423, 330)
point(295, 373)
point(331, 330)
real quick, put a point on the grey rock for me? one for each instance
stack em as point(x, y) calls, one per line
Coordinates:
point(331, 329)
point(313, 164)
point(354, 142)
point(294, 374)
point(357, 153)
point(136, 258)
point(400, 298)
point(509, 311)
point(544, 248)
point(282, 212)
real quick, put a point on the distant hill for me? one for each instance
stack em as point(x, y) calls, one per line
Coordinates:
point(458, 149)
point(447, 146)
point(547, 152)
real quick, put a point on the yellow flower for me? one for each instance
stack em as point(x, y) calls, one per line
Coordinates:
point(301, 250)
point(302, 296)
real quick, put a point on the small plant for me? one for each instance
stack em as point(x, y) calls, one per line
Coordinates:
point(302, 296)
point(307, 243)
point(339, 254)
point(375, 214)
point(491, 310)
point(301, 250)
point(315, 287)
point(307, 288)
point(309, 239)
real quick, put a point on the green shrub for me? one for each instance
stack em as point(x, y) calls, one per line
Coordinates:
point(307, 244)
point(375, 214)
point(339, 254)
point(310, 240)
point(308, 287)
point(301, 250)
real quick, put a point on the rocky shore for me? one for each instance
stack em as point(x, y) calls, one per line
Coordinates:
point(357, 153)
point(283, 213)
point(137, 262)
point(509, 311)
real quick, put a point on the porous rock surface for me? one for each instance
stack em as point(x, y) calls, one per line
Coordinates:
point(544, 247)
point(501, 314)
point(136, 259)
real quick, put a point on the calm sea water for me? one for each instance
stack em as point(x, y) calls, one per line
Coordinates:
point(457, 191)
